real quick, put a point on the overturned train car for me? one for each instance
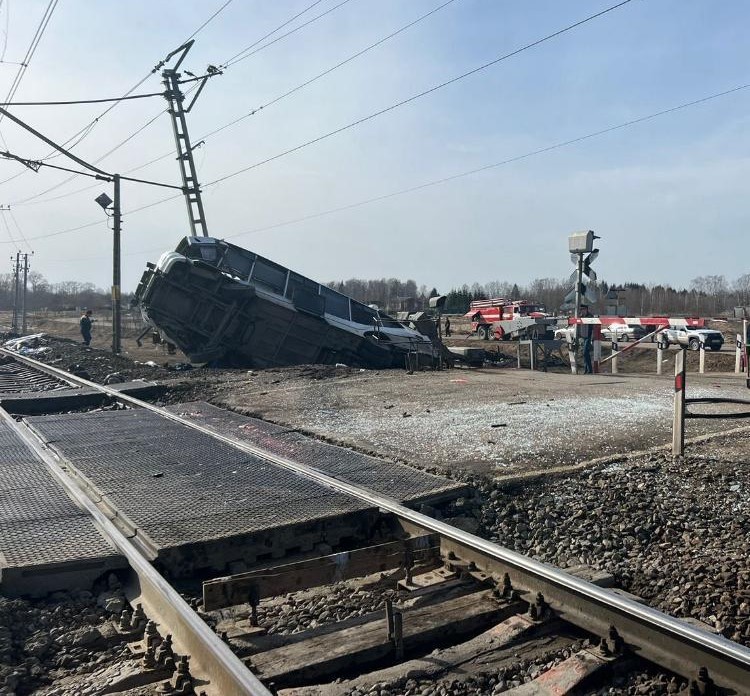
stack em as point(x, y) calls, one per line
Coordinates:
point(220, 303)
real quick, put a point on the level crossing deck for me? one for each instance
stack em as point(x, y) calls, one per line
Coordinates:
point(403, 483)
point(198, 505)
point(47, 543)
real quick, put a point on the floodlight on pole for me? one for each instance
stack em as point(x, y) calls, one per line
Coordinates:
point(104, 201)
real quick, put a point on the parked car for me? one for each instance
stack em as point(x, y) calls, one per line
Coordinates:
point(623, 332)
point(615, 332)
point(692, 338)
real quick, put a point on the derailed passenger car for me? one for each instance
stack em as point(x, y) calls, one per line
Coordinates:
point(220, 303)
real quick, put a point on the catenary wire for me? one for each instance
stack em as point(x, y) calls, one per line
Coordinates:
point(271, 33)
point(114, 104)
point(233, 60)
point(208, 21)
point(18, 227)
point(7, 228)
point(327, 71)
point(494, 165)
point(84, 101)
point(31, 200)
point(36, 39)
point(435, 182)
point(7, 29)
point(283, 36)
point(419, 95)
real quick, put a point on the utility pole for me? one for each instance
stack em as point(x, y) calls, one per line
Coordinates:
point(97, 174)
point(106, 202)
point(23, 296)
point(175, 97)
point(16, 267)
point(116, 308)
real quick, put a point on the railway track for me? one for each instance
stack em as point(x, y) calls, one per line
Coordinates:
point(17, 378)
point(458, 594)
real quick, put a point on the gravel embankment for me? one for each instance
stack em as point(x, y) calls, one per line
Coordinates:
point(59, 646)
point(675, 533)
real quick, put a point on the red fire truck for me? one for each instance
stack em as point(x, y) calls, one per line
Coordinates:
point(506, 319)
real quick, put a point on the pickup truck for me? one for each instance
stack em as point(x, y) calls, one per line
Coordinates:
point(692, 338)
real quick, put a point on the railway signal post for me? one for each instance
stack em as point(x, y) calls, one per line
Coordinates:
point(579, 245)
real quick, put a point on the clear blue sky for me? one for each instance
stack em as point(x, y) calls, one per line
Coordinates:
point(668, 196)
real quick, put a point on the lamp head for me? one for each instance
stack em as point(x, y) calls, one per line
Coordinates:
point(103, 200)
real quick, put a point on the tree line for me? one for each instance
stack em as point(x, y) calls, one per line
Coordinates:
point(710, 295)
point(41, 294)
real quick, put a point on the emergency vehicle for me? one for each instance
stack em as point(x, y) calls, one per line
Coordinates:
point(504, 319)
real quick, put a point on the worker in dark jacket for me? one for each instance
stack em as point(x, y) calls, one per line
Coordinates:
point(447, 326)
point(85, 324)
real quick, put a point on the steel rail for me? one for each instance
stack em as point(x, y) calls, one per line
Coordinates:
point(658, 637)
point(211, 658)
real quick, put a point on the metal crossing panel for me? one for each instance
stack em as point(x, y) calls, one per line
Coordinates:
point(176, 487)
point(403, 483)
point(41, 528)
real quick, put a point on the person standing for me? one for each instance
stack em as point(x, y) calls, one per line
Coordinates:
point(586, 333)
point(85, 324)
point(447, 327)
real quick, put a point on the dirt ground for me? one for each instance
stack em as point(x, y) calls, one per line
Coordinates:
point(498, 421)
point(674, 532)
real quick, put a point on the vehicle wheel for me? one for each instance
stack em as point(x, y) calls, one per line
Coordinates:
point(694, 344)
point(484, 333)
point(624, 338)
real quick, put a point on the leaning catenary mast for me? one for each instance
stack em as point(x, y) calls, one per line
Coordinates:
point(175, 98)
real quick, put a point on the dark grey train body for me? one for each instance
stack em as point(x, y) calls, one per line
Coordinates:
point(218, 302)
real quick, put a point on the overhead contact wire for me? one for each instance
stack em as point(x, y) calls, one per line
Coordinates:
point(419, 95)
point(435, 182)
point(31, 200)
point(113, 105)
point(234, 58)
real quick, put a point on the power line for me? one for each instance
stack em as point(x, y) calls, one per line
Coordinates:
point(31, 50)
point(7, 29)
point(234, 59)
point(414, 97)
point(227, 62)
point(18, 227)
point(31, 199)
point(96, 120)
point(329, 70)
point(7, 227)
point(207, 22)
point(29, 55)
point(84, 101)
point(27, 201)
point(37, 164)
point(7, 209)
point(436, 182)
point(494, 165)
